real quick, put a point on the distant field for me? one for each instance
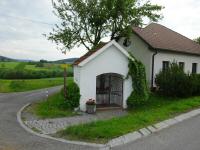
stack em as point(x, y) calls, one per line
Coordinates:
point(32, 70)
point(28, 76)
point(13, 65)
point(9, 65)
point(26, 85)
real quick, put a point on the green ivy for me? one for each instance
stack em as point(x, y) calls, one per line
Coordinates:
point(140, 92)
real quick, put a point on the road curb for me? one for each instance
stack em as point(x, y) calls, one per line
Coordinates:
point(124, 139)
point(19, 119)
point(144, 132)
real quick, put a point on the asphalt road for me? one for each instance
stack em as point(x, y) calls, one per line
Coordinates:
point(182, 136)
point(13, 136)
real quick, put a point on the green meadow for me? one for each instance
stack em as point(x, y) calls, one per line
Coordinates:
point(26, 85)
point(25, 76)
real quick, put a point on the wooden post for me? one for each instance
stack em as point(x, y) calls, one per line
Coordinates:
point(64, 66)
point(65, 83)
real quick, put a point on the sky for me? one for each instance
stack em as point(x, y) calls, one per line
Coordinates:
point(23, 23)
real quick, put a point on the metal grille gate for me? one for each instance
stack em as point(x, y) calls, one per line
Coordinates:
point(109, 90)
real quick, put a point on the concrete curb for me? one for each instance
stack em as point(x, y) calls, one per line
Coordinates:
point(19, 119)
point(124, 139)
point(131, 137)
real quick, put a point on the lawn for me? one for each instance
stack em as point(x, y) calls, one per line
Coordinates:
point(54, 106)
point(26, 85)
point(156, 110)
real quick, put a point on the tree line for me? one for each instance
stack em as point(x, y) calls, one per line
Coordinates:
point(31, 74)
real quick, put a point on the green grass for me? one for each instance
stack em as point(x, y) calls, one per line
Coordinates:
point(8, 65)
point(53, 107)
point(26, 85)
point(47, 66)
point(157, 109)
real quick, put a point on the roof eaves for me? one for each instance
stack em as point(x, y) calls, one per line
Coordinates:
point(176, 51)
point(88, 54)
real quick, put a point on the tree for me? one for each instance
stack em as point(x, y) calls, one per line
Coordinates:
point(197, 40)
point(39, 64)
point(43, 61)
point(86, 22)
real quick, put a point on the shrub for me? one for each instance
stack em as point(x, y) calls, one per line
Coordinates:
point(136, 99)
point(72, 96)
point(140, 93)
point(195, 79)
point(174, 82)
point(39, 64)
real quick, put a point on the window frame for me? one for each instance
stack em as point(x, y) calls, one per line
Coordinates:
point(182, 65)
point(165, 65)
point(194, 64)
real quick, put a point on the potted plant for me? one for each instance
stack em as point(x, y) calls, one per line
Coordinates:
point(91, 106)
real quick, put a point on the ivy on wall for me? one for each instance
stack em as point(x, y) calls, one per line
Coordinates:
point(140, 92)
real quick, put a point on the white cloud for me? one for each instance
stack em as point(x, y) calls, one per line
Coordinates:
point(181, 16)
point(22, 38)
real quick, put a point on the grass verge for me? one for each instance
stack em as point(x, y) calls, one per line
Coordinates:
point(54, 106)
point(155, 110)
point(7, 86)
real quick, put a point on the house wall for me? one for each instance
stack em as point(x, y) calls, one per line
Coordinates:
point(177, 57)
point(110, 61)
point(140, 51)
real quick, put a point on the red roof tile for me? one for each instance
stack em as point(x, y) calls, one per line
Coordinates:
point(89, 53)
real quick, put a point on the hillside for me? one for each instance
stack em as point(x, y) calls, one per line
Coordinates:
point(68, 61)
point(2, 58)
point(62, 61)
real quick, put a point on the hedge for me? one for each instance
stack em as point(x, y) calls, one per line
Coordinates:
point(30, 74)
point(174, 82)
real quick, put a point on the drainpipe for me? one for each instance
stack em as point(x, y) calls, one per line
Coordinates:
point(152, 71)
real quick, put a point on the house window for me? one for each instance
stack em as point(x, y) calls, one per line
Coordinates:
point(182, 65)
point(165, 65)
point(194, 67)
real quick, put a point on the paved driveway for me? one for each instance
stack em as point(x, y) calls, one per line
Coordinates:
point(13, 136)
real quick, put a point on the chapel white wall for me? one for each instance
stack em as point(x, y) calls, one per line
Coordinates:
point(77, 74)
point(110, 61)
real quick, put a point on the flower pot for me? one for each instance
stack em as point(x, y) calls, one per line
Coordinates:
point(90, 109)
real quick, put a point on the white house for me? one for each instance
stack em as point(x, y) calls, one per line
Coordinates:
point(101, 74)
point(156, 46)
